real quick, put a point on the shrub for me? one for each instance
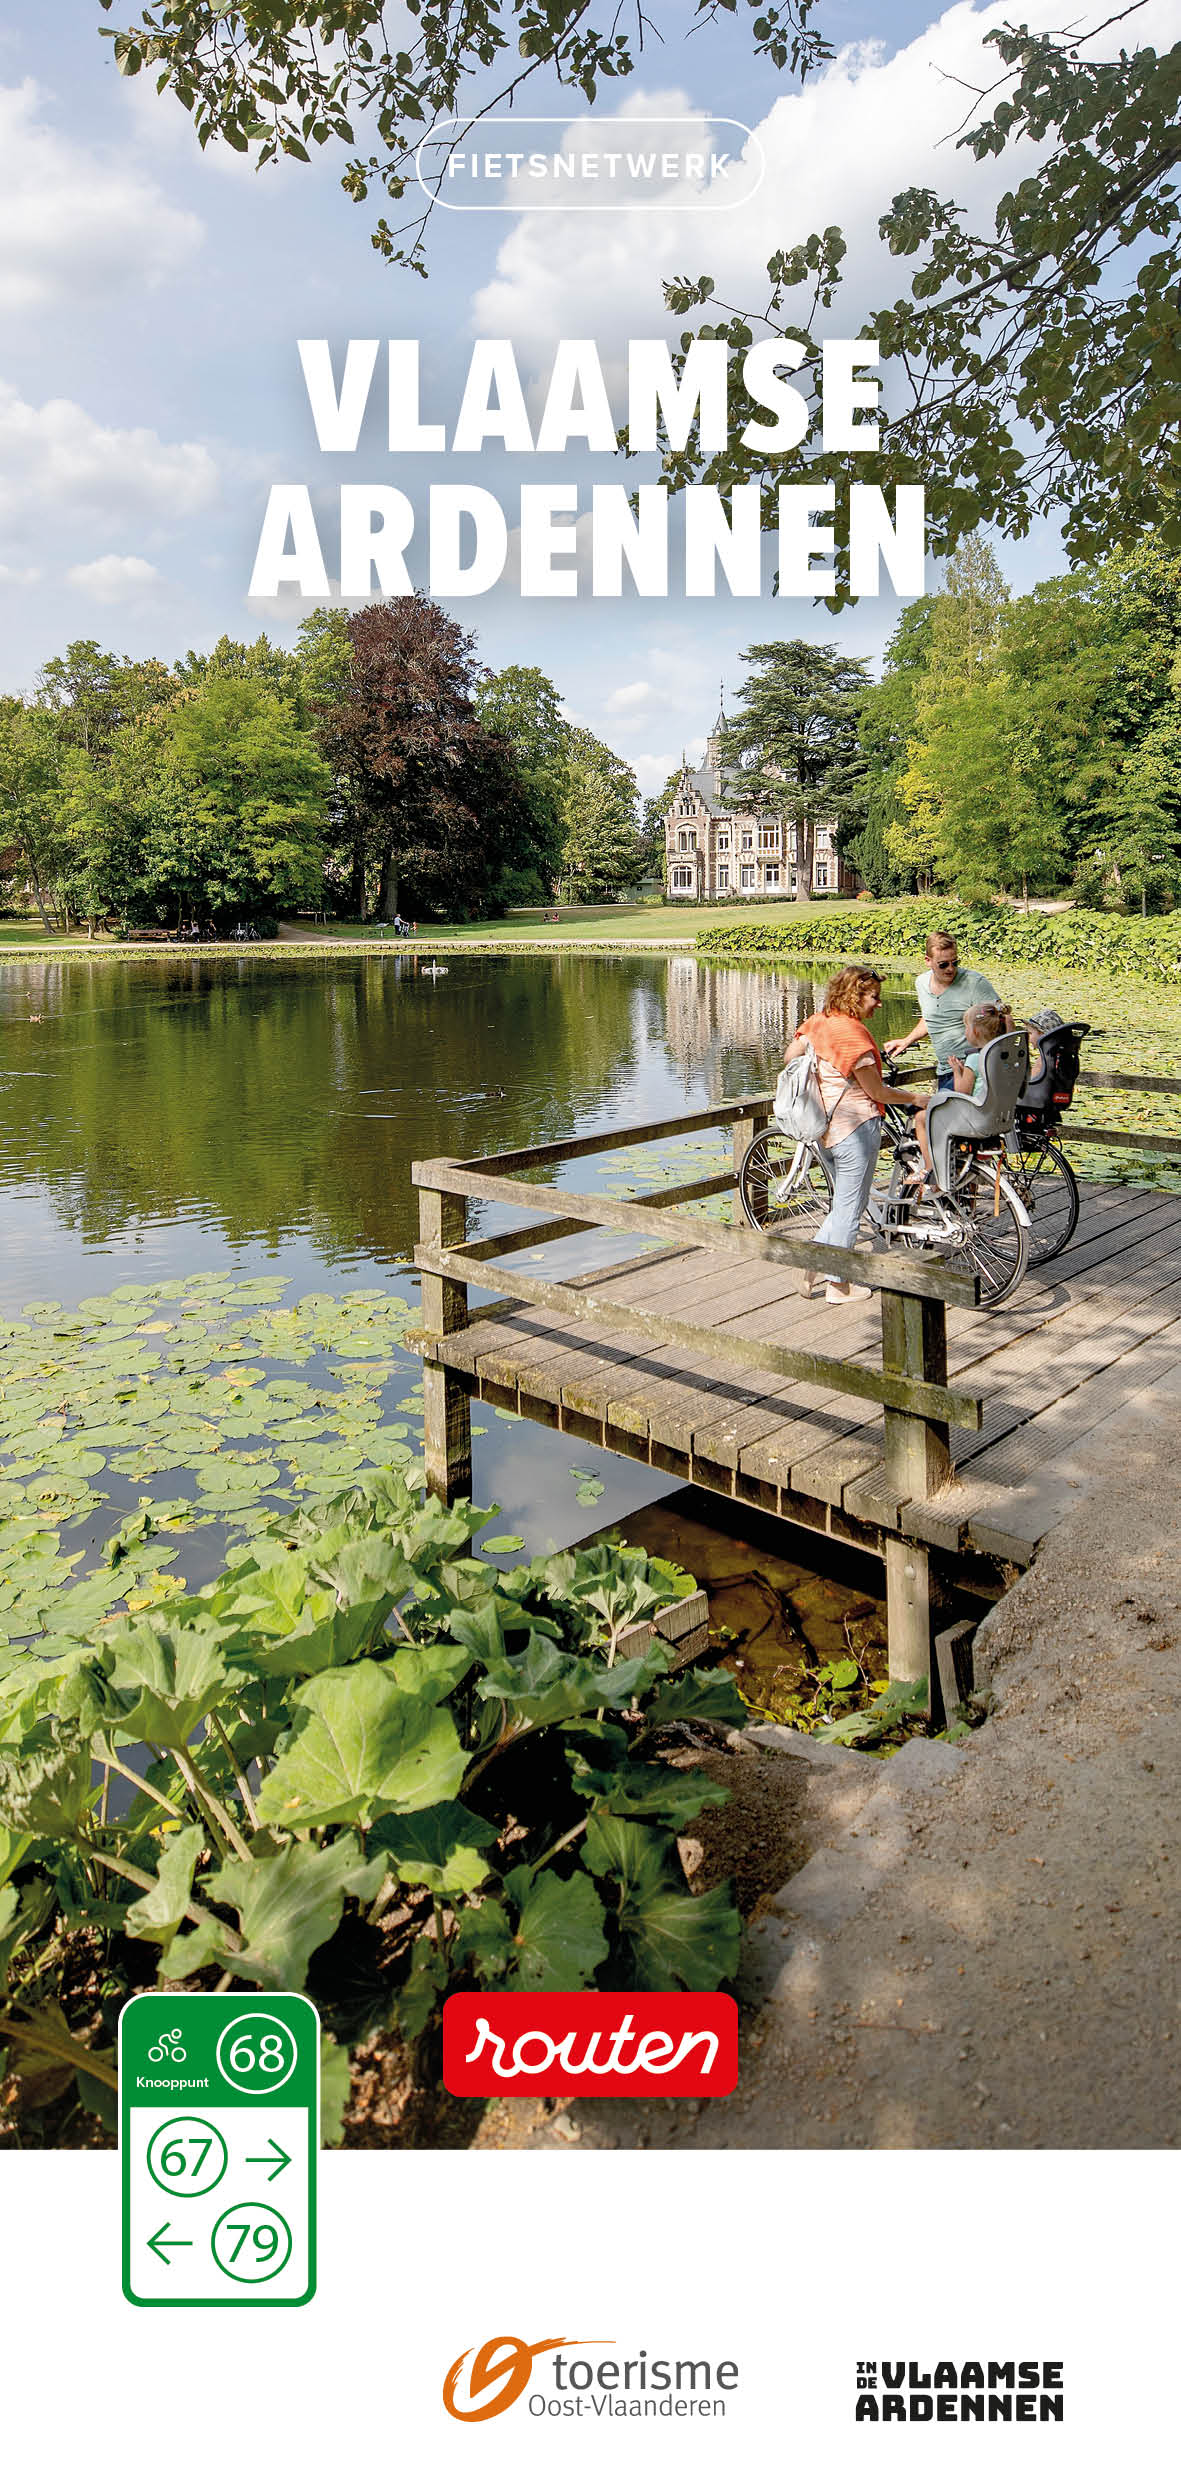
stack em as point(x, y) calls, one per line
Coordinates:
point(1147, 950)
point(364, 1762)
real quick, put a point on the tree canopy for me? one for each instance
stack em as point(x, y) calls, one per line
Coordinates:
point(1034, 368)
point(273, 77)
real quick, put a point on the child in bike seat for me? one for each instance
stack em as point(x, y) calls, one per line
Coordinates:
point(982, 1024)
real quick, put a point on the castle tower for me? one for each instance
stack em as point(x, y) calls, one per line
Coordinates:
point(713, 746)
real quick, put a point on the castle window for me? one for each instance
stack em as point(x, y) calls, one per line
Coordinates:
point(748, 875)
point(681, 880)
point(724, 879)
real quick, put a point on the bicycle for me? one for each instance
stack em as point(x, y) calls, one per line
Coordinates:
point(1034, 1160)
point(978, 1224)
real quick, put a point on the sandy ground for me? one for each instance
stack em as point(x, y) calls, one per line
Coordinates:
point(982, 1948)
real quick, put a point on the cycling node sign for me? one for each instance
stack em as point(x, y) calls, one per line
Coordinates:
point(219, 2131)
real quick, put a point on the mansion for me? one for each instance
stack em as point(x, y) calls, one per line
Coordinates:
point(714, 851)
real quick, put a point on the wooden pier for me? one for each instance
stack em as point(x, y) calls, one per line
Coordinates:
point(912, 1425)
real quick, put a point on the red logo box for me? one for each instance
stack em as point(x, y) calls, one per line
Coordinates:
point(591, 2041)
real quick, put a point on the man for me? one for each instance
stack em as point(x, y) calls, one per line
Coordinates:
point(944, 993)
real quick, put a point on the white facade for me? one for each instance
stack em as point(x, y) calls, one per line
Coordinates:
point(713, 852)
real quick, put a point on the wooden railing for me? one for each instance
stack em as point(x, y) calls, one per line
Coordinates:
point(910, 1384)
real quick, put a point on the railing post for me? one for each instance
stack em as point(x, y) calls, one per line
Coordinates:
point(918, 1462)
point(746, 1129)
point(447, 1425)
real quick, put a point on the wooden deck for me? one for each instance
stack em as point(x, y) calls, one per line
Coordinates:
point(1064, 1356)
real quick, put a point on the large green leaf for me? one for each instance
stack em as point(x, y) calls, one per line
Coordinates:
point(360, 1747)
point(162, 1678)
point(697, 1696)
point(559, 1938)
point(545, 1684)
point(672, 1936)
point(290, 1904)
point(441, 1848)
point(157, 1915)
point(657, 1791)
point(46, 1789)
point(690, 1938)
point(483, 1941)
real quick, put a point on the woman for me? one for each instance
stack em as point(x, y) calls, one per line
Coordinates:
point(855, 1096)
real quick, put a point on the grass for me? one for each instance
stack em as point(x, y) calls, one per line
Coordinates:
point(606, 925)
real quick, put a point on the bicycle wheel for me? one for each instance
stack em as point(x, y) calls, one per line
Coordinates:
point(995, 1245)
point(783, 1182)
point(1048, 1190)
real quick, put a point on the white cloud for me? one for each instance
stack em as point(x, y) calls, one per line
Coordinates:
point(115, 578)
point(836, 153)
point(77, 223)
point(18, 576)
point(56, 460)
point(624, 701)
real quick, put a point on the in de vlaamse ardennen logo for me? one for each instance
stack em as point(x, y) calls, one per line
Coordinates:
point(490, 2378)
point(985, 2390)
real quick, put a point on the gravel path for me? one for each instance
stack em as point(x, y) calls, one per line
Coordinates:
point(986, 1953)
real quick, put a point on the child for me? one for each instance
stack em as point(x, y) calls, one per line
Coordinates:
point(982, 1023)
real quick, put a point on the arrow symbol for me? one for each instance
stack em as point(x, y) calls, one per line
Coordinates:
point(276, 2155)
point(160, 2243)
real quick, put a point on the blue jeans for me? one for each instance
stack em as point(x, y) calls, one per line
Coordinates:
point(852, 1166)
point(945, 1081)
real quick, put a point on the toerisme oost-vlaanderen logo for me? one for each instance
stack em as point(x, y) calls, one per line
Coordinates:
point(563, 2378)
point(975, 2389)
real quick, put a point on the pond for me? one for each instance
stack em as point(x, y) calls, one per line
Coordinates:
point(165, 1117)
point(252, 1123)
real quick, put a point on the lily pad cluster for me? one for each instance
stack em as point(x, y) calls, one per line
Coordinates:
point(206, 1401)
point(364, 1761)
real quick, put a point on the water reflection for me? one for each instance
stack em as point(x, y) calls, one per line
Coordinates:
point(174, 1109)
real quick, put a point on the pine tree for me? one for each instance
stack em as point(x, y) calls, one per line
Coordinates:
point(791, 749)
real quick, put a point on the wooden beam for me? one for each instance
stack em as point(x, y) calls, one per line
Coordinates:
point(914, 1342)
point(1128, 1084)
point(908, 1609)
point(1132, 1140)
point(883, 1272)
point(609, 1140)
point(583, 1307)
point(447, 1420)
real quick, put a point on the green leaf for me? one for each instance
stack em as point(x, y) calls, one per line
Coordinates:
point(483, 1942)
point(503, 1542)
point(157, 1915)
point(291, 1904)
point(559, 1939)
point(658, 1791)
point(162, 1678)
point(46, 1790)
point(696, 1696)
point(693, 1939)
point(440, 1848)
point(361, 1746)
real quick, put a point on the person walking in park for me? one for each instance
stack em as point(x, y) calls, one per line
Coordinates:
point(945, 992)
point(855, 1095)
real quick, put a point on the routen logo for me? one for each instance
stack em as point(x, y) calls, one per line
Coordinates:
point(499, 2374)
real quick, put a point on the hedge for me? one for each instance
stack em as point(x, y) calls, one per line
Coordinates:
point(1148, 950)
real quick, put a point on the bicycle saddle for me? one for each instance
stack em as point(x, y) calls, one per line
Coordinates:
point(989, 1112)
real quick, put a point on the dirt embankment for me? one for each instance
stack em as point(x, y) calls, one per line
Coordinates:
point(982, 1950)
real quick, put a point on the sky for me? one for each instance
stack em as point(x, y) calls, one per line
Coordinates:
point(152, 297)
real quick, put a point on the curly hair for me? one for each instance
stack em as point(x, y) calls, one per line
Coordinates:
point(846, 987)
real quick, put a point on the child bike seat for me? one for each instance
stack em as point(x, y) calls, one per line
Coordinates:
point(1051, 1091)
point(989, 1112)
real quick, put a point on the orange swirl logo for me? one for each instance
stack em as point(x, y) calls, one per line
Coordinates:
point(498, 2376)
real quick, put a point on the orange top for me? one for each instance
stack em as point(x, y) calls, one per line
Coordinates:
point(842, 1043)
